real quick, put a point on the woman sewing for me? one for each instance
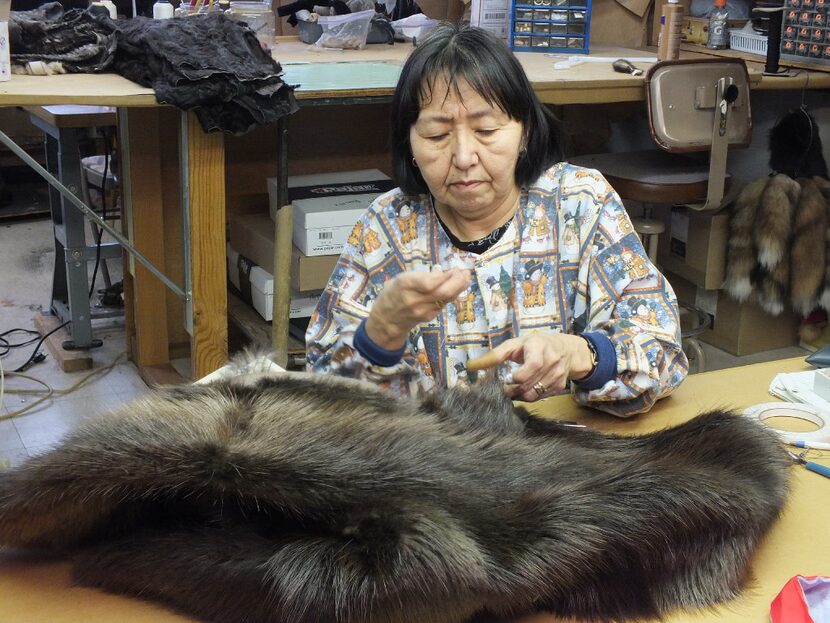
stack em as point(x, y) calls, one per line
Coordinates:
point(491, 243)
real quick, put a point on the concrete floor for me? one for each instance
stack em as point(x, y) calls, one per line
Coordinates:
point(27, 255)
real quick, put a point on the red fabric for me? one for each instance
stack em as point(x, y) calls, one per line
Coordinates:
point(789, 605)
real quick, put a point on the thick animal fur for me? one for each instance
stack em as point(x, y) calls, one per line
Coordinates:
point(824, 295)
point(772, 287)
point(807, 251)
point(307, 499)
point(774, 220)
point(783, 256)
point(741, 253)
point(795, 146)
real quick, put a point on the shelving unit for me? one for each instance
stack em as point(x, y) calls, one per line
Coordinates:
point(550, 26)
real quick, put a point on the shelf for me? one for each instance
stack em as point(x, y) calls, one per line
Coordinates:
point(251, 324)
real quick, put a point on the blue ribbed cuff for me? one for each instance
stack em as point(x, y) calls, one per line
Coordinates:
point(606, 361)
point(374, 353)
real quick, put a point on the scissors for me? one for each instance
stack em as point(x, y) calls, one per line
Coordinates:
point(813, 467)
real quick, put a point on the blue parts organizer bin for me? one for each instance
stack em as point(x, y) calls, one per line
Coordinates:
point(550, 26)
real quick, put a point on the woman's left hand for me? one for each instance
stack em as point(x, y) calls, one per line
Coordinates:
point(549, 361)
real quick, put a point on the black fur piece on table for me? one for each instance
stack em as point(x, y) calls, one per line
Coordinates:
point(308, 499)
point(795, 146)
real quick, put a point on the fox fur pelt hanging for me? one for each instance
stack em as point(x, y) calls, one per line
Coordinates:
point(779, 244)
point(308, 499)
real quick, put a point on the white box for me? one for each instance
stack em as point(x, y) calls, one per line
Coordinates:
point(326, 206)
point(257, 287)
point(821, 383)
point(5, 56)
point(492, 15)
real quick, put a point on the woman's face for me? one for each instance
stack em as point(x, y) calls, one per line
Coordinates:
point(466, 150)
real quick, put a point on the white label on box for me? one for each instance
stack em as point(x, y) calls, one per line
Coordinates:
point(328, 241)
point(492, 15)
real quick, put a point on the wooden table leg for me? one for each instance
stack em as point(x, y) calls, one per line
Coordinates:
point(204, 167)
point(141, 189)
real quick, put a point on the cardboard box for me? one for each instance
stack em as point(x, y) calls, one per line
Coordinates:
point(326, 206)
point(737, 328)
point(620, 23)
point(446, 10)
point(257, 288)
point(745, 328)
point(252, 235)
point(694, 246)
point(5, 56)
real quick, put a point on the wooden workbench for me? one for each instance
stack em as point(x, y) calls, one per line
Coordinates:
point(586, 83)
point(159, 146)
point(154, 165)
point(38, 589)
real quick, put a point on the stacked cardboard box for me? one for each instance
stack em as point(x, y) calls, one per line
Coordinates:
point(252, 235)
point(737, 328)
point(327, 206)
point(257, 288)
point(694, 246)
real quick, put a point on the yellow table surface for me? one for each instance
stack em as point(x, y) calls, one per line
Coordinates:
point(37, 590)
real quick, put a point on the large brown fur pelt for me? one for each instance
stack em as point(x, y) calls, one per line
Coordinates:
point(824, 295)
point(308, 499)
point(779, 244)
point(773, 233)
point(742, 256)
point(775, 220)
point(807, 259)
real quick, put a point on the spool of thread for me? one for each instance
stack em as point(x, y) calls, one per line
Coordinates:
point(671, 22)
point(113, 12)
point(820, 419)
point(776, 16)
point(98, 9)
point(162, 10)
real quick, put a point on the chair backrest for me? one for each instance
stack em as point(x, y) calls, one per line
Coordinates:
point(682, 103)
point(701, 105)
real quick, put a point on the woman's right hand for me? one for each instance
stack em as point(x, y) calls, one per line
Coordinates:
point(411, 298)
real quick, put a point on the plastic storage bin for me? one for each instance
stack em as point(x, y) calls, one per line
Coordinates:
point(550, 26)
point(747, 40)
point(259, 17)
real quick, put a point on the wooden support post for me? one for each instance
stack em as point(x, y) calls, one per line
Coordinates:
point(141, 189)
point(206, 183)
point(282, 284)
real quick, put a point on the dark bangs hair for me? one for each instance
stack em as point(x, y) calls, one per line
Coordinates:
point(486, 63)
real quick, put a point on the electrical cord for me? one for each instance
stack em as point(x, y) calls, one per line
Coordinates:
point(4, 343)
point(48, 391)
point(8, 346)
point(37, 356)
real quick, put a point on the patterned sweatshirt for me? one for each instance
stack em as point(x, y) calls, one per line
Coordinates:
point(569, 261)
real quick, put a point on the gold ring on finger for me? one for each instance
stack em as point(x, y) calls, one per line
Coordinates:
point(540, 389)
